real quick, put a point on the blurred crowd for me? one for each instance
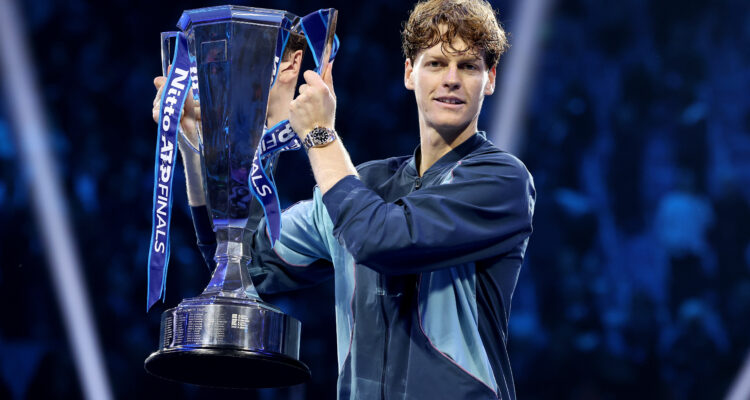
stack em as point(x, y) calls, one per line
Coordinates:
point(637, 279)
point(637, 132)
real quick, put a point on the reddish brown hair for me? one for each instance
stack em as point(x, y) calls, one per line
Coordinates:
point(296, 42)
point(474, 21)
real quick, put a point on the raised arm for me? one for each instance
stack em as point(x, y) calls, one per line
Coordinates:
point(484, 210)
point(300, 258)
point(302, 255)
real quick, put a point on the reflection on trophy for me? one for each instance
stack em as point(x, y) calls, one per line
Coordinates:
point(227, 336)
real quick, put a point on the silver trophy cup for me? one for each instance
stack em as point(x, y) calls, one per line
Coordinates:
point(227, 336)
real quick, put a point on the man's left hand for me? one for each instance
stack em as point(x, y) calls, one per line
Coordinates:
point(315, 105)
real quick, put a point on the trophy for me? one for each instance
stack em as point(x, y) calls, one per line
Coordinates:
point(227, 336)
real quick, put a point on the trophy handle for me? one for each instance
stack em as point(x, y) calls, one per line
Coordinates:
point(330, 37)
point(166, 50)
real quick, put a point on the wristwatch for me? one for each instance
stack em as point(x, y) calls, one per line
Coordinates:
point(319, 137)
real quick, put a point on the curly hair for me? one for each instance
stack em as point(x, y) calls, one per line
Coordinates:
point(474, 21)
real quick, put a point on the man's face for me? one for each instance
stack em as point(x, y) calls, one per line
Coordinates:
point(450, 87)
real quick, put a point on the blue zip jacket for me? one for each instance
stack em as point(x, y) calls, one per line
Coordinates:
point(424, 268)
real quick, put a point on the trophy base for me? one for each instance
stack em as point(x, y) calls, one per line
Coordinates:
point(227, 368)
point(228, 342)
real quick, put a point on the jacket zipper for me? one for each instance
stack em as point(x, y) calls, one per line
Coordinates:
point(417, 185)
point(385, 355)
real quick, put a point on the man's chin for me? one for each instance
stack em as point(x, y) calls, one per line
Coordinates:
point(451, 129)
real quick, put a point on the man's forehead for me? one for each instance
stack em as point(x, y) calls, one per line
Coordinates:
point(458, 48)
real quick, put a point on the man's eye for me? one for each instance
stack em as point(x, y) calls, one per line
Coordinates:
point(433, 64)
point(470, 67)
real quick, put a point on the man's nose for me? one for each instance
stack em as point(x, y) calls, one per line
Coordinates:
point(450, 78)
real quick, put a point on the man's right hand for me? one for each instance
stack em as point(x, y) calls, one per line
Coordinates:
point(191, 112)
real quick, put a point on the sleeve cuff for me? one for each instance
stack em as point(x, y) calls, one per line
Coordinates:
point(202, 224)
point(338, 193)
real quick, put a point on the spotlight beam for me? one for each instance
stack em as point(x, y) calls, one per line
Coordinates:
point(516, 75)
point(740, 389)
point(28, 116)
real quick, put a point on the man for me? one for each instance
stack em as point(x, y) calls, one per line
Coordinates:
point(425, 249)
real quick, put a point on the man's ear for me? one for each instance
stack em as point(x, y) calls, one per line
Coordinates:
point(489, 88)
point(290, 67)
point(408, 74)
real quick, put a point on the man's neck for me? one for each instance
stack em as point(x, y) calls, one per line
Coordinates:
point(434, 144)
point(278, 105)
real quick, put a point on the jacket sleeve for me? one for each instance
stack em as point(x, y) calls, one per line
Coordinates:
point(300, 258)
point(483, 209)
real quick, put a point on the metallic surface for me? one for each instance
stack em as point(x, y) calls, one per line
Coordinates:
point(205, 340)
point(230, 323)
point(227, 336)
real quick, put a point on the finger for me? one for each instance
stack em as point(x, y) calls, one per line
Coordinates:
point(159, 81)
point(157, 98)
point(313, 79)
point(189, 100)
point(302, 88)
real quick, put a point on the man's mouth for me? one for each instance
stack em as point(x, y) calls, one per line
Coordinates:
point(449, 100)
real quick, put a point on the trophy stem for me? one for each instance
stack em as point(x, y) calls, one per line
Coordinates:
point(231, 278)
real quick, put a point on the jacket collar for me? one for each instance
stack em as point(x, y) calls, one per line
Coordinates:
point(450, 158)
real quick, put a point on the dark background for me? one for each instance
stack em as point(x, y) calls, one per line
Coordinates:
point(637, 277)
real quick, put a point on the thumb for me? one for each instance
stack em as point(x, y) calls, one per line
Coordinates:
point(312, 78)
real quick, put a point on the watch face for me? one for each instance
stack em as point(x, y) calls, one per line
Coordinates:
point(319, 136)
